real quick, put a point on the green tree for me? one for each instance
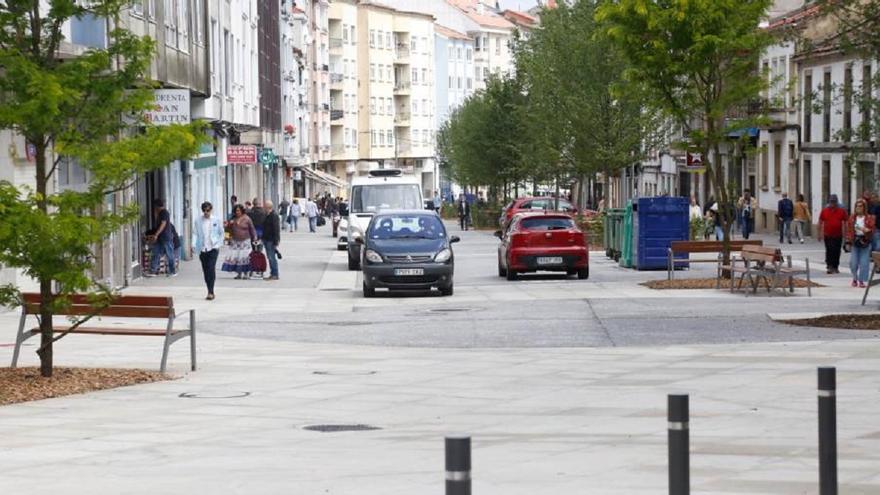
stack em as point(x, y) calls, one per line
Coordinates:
point(581, 121)
point(696, 60)
point(73, 108)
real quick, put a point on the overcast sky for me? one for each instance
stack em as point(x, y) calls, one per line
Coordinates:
point(518, 4)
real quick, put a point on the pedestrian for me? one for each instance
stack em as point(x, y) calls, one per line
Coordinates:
point(464, 212)
point(860, 235)
point(234, 201)
point(715, 217)
point(695, 210)
point(874, 209)
point(293, 215)
point(258, 216)
point(438, 203)
point(244, 235)
point(162, 241)
point(283, 210)
point(785, 214)
point(312, 213)
point(802, 217)
point(207, 239)
point(333, 212)
point(248, 206)
point(271, 238)
point(832, 220)
point(748, 207)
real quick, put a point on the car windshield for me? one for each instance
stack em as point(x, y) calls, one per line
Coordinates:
point(374, 197)
point(547, 223)
point(407, 227)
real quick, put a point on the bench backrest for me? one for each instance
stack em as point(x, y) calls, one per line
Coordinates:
point(122, 306)
point(710, 246)
point(761, 254)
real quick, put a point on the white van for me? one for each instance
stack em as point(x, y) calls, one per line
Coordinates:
point(383, 189)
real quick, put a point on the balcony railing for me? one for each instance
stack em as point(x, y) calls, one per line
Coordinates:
point(335, 42)
point(338, 149)
point(401, 53)
point(401, 86)
point(401, 118)
point(336, 77)
point(336, 114)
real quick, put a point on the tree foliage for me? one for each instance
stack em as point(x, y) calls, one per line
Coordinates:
point(72, 108)
point(696, 60)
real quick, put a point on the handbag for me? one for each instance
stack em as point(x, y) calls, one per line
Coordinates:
point(321, 221)
point(862, 242)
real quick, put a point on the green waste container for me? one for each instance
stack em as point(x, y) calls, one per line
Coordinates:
point(613, 232)
point(626, 237)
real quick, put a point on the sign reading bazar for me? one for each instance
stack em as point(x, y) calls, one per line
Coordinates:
point(171, 106)
point(241, 154)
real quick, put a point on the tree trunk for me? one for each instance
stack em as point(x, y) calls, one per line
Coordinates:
point(46, 297)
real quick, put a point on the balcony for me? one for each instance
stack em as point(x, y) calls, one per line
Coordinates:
point(401, 55)
point(401, 88)
point(401, 119)
point(336, 80)
point(338, 149)
point(336, 116)
point(335, 42)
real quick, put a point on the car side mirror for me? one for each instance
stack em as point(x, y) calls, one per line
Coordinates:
point(454, 239)
point(497, 234)
point(358, 240)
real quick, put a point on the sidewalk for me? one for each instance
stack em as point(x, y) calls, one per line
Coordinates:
point(561, 421)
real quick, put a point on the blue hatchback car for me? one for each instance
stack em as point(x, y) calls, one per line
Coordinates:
point(407, 250)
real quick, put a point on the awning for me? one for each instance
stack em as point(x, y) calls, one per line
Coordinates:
point(750, 131)
point(323, 177)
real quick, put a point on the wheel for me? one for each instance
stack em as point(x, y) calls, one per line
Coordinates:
point(584, 273)
point(501, 271)
point(511, 274)
point(447, 291)
point(369, 291)
point(353, 263)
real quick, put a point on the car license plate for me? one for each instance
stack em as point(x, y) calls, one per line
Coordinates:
point(408, 272)
point(550, 260)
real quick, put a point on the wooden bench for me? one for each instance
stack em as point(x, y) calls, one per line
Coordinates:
point(765, 264)
point(689, 247)
point(144, 307)
point(875, 257)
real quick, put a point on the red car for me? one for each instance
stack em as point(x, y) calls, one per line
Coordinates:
point(545, 203)
point(538, 241)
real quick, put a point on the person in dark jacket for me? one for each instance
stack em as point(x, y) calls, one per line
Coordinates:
point(785, 214)
point(258, 216)
point(271, 238)
point(464, 212)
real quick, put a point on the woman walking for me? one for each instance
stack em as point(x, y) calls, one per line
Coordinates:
point(243, 236)
point(802, 217)
point(860, 232)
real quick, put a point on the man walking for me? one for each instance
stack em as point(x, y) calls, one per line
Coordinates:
point(207, 239)
point(332, 210)
point(272, 238)
point(831, 222)
point(162, 240)
point(464, 211)
point(312, 213)
point(293, 215)
point(258, 216)
point(747, 206)
point(785, 214)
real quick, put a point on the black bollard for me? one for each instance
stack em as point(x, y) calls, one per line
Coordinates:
point(679, 445)
point(458, 465)
point(827, 431)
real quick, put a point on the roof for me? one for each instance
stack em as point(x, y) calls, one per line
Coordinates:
point(520, 18)
point(486, 19)
point(379, 5)
point(450, 33)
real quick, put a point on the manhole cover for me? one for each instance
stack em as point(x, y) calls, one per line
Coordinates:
point(344, 372)
point(338, 428)
point(213, 395)
point(347, 323)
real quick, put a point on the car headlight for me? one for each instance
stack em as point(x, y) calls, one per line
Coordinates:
point(372, 256)
point(443, 256)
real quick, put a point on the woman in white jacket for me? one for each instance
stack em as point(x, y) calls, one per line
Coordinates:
point(207, 239)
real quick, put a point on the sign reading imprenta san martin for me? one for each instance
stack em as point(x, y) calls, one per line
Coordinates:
point(171, 107)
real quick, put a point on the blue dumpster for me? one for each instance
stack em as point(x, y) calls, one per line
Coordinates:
point(658, 221)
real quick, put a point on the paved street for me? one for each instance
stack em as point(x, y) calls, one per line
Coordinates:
point(561, 382)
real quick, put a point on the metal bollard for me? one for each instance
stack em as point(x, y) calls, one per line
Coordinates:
point(679, 445)
point(458, 465)
point(827, 431)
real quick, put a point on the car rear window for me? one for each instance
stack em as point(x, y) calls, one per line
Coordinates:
point(546, 223)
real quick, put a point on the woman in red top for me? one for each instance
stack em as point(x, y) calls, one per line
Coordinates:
point(860, 232)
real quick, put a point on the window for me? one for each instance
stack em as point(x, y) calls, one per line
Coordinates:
point(381, 138)
point(228, 55)
point(372, 105)
point(415, 76)
point(425, 107)
point(450, 82)
point(867, 89)
point(424, 76)
point(451, 53)
point(372, 72)
point(468, 54)
point(390, 137)
point(459, 53)
point(415, 107)
point(826, 180)
point(388, 40)
point(352, 37)
point(808, 110)
point(477, 43)
point(137, 7)
point(847, 102)
point(469, 83)
point(826, 107)
point(372, 38)
point(777, 165)
point(373, 138)
point(459, 82)
point(485, 73)
point(345, 33)
point(413, 44)
point(388, 106)
point(765, 165)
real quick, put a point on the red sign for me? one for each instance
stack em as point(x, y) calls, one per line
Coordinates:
point(694, 160)
point(241, 154)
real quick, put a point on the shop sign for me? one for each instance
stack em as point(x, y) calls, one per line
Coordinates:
point(267, 156)
point(170, 106)
point(241, 154)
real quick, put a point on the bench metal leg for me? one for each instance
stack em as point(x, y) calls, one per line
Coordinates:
point(192, 338)
point(790, 277)
point(167, 345)
point(20, 338)
point(865, 297)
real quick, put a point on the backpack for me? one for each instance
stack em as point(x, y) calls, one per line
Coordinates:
point(175, 238)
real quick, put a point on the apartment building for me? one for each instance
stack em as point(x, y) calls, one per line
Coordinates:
point(319, 56)
point(345, 48)
point(294, 95)
point(454, 66)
